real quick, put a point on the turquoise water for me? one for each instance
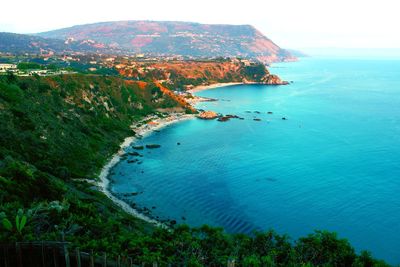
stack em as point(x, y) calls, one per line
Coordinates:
point(334, 164)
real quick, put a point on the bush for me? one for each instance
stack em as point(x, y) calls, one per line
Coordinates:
point(10, 92)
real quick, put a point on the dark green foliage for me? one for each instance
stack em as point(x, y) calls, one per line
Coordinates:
point(324, 248)
point(28, 65)
point(156, 92)
point(10, 92)
point(254, 72)
point(22, 182)
point(208, 246)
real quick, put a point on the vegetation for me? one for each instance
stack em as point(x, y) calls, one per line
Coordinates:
point(254, 72)
point(54, 131)
point(28, 66)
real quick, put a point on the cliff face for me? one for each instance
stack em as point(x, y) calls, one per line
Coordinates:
point(177, 38)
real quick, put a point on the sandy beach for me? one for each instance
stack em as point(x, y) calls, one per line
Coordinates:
point(142, 128)
point(211, 86)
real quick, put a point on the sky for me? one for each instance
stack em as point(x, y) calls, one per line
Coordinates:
point(296, 24)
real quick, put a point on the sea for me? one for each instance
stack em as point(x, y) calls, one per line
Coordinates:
point(322, 154)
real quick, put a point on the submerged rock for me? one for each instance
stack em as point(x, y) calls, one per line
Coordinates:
point(227, 117)
point(153, 146)
point(232, 116)
point(131, 194)
point(223, 118)
point(284, 118)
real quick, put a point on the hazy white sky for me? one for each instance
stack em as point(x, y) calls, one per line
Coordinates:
point(290, 23)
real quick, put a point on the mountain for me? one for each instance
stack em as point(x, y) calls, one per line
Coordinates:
point(21, 43)
point(176, 38)
point(32, 44)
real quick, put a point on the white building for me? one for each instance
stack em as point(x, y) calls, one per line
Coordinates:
point(38, 72)
point(8, 67)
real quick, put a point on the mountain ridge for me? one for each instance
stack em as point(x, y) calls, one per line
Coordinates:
point(17, 43)
point(176, 38)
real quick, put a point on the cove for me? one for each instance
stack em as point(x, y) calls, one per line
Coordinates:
point(334, 164)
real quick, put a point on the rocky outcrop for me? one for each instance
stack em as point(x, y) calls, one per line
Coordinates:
point(273, 79)
point(208, 115)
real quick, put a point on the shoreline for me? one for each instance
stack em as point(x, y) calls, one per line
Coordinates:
point(200, 88)
point(141, 131)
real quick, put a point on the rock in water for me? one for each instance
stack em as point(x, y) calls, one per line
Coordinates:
point(208, 115)
point(153, 146)
point(274, 80)
point(224, 118)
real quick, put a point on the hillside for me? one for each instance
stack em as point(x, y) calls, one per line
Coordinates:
point(177, 38)
point(23, 43)
point(71, 109)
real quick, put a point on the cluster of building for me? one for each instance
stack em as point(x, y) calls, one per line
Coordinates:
point(8, 68)
point(13, 68)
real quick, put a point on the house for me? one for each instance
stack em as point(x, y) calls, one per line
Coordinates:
point(246, 62)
